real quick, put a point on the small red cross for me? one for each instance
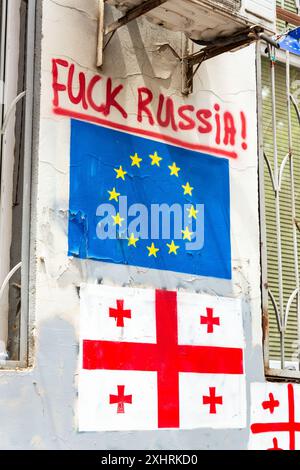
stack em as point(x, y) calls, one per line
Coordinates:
point(119, 313)
point(120, 399)
point(212, 401)
point(271, 404)
point(210, 320)
point(275, 444)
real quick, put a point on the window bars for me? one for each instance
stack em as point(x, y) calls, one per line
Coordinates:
point(280, 168)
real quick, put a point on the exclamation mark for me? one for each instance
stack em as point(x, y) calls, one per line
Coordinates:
point(244, 131)
point(218, 124)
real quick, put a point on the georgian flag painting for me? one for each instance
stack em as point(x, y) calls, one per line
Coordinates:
point(157, 359)
point(275, 416)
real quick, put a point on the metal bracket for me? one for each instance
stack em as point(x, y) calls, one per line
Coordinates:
point(191, 63)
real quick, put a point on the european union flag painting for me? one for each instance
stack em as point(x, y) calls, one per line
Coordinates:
point(138, 202)
point(291, 41)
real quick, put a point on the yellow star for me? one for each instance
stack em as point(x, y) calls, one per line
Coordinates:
point(132, 241)
point(114, 195)
point(187, 235)
point(155, 159)
point(187, 189)
point(152, 250)
point(173, 248)
point(118, 219)
point(121, 173)
point(193, 213)
point(174, 170)
point(136, 160)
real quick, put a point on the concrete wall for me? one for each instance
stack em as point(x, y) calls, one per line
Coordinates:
point(38, 407)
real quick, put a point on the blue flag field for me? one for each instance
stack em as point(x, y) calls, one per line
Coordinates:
point(138, 202)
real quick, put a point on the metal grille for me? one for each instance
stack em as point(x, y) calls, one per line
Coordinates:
point(279, 169)
point(280, 215)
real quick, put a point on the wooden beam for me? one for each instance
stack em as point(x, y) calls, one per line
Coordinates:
point(134, 13)
point(288, 16)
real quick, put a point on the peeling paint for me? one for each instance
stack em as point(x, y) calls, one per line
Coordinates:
point(79, 220)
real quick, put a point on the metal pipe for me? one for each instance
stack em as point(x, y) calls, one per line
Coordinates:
point(262, 213)
point(277, 211)
point(29, 122)
point(100, 33)
point(268, 39)
point(293, 203)
point(2, 69)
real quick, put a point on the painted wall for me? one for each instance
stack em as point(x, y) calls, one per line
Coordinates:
point(38, 407)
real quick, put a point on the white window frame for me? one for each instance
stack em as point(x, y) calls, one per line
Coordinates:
point(9, 73)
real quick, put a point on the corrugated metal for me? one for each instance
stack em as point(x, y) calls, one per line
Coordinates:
point(286, 214)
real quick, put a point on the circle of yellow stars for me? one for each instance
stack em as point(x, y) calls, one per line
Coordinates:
point(114, 195)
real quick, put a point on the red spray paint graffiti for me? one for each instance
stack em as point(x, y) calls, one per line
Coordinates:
point(100, 95)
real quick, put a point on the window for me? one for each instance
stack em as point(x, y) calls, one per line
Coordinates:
point(280, 206)
point(16, 71)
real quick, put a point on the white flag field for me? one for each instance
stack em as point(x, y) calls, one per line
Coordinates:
point(156, 359)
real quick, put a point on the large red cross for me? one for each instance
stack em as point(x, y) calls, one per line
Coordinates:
point(291, 426)
point(166, 357)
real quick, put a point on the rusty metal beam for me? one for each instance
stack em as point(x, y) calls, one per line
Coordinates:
point(208, 52)
point(133, 14)
point(288, 16)
point(242, 38)
point(237, 40)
